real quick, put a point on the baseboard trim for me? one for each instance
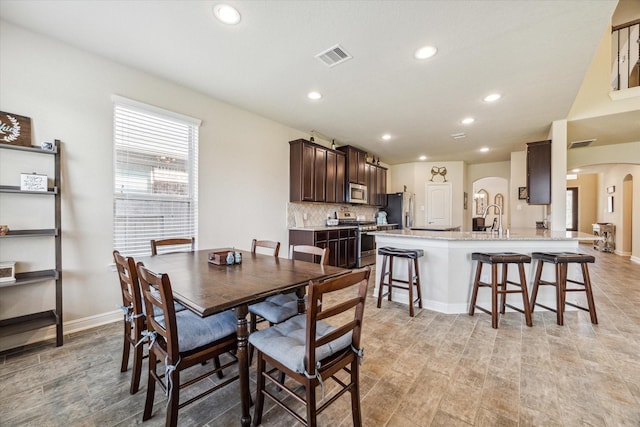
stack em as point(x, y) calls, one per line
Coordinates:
point(634, 259)
point(73, 326)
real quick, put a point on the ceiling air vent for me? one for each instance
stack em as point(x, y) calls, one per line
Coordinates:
point(334, 56)
point(458, 135)
point(580, 144)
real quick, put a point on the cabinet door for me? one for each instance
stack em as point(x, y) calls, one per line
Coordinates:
point(340, 179)
point(372, 184)
point(320, 174)
point(539, 173)
point(382, 186)
point(332, 163)
point(351, 248)
point(361, 162)
point(308, 174)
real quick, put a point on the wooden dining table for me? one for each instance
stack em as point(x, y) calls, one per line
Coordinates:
point(206, 288)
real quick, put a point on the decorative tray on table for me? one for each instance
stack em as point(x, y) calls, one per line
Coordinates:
point(219, 258)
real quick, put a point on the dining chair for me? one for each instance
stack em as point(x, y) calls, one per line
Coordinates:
point(176, 241)
point(267, 244)
point(182, 340)
point(310, 349)
point(278, 308)
point(134, 319)
point(323, 253)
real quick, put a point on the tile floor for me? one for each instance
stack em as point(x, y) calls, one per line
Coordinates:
point(430, 370)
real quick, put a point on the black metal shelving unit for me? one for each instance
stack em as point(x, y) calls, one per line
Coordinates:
point(43, 319)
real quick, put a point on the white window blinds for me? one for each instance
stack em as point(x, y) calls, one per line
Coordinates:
point(155, 177)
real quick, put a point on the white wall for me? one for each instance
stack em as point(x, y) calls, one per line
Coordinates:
point(522, 215)
point(416, 175)
point(67, 93)
point(614, 176)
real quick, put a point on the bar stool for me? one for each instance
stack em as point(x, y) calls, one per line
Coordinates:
point(561, 261)
point(500, 287)
point(389, 254)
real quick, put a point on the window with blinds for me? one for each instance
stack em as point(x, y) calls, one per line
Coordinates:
point(155, 177)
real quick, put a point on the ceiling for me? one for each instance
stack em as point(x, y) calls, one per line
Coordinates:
point(535, 53)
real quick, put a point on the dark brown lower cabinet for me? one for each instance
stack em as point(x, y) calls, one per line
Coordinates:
point(341, 243)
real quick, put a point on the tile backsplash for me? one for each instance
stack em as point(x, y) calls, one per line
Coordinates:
point(317, 213)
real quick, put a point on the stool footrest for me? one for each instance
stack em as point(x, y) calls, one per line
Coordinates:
point(544, 306)
point(576, 306)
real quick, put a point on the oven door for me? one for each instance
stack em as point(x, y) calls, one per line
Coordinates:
point(366, 249)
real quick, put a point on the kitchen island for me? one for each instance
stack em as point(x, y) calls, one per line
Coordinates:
point(446, 269)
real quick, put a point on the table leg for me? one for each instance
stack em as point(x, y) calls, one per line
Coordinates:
point(243, 363)
point(300, 294)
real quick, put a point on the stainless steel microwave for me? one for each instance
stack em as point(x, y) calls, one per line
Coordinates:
point(356, 193)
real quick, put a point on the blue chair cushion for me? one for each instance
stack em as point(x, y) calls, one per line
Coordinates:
point(285, 342)
point(276, 308)
point(157, 311)
point(195, 331)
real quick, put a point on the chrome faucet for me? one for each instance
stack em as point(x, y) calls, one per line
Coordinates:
point(486, 210)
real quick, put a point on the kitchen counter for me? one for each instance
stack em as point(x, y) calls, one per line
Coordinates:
point(447, 270)
point(435, 227)
point(324, 227)
point(519, 234)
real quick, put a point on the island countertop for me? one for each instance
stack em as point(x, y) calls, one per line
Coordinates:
point(522, 234)
point(447, 267)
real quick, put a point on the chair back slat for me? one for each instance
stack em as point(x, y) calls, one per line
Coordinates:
point(129, 284)
point(323, 253)
point(265, 244)
point(336, 333)
point(343, 323)
point(150, 281)
point(175, 241)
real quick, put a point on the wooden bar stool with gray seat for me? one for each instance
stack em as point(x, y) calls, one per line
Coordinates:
point(561, 260)
point(411, 255)
point(500, 287)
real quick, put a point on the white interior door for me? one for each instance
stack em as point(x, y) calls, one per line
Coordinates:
point(438, 203)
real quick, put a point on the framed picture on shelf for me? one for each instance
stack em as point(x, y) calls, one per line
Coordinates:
point(33, 182)
point(522, 193)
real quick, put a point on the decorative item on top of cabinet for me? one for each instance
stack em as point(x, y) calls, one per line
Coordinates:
point(539, 173)
point(43, 319)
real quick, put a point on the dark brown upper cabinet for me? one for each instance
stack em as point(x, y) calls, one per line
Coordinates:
point(539, 173)
point(316, 173)
point(356, 161)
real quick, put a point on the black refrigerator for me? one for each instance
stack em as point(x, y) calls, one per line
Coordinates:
point(399, 209)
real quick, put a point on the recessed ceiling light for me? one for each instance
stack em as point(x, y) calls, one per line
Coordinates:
point(386, 137)
point(226, 14)
point(484, 149)
point(468, 120)
point(492, 98)
point(571, 176)
point(575, 170)
point(314, 95)
point(425, 52)
point(422, 157)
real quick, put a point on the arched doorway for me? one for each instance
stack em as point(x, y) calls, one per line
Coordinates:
point(627, 214)
point(487, 191)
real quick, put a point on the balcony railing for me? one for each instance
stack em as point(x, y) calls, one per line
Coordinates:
point(625, 70)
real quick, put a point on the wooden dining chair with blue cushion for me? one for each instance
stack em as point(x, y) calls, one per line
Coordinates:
point(313, 347)
point(181, 340)
point(176, 244)
point(134, 319)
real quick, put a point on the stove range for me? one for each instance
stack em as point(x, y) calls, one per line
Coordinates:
point(365, 242)
point(348, 218)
